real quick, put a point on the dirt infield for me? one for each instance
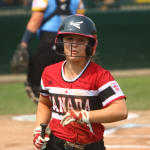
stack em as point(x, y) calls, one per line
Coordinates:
point(130, 134)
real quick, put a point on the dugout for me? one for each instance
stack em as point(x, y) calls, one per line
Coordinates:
point(123, 36)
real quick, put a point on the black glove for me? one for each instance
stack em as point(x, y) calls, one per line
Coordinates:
point(20, 59)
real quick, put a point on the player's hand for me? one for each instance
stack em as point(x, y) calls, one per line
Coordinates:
point(78, 116)
point(38, 141)
point(20, 59)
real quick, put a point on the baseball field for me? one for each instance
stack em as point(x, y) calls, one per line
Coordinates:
point(17, 114)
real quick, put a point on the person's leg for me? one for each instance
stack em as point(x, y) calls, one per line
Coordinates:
point(45, 55)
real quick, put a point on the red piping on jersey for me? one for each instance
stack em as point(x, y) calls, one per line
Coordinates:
point(120, 97)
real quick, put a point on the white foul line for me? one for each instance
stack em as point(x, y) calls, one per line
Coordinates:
point(125, 126)
point(128, 146)
point(127, 136)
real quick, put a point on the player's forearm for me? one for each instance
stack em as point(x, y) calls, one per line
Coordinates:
point(43, 114)
point(31, 28)
point(115, 112)
point(44, 111)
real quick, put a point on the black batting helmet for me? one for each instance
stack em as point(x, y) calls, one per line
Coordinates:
point(78, 25)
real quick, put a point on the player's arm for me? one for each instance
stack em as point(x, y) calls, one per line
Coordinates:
point(116, 111)
point(32, 26)
point(81, 9)
point(43, 116)
point(44, 110)
point(35, 21)
point(38, 8)
point(20, 59)
point(21, 56)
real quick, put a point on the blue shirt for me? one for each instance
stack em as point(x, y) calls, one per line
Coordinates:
point(49, 6)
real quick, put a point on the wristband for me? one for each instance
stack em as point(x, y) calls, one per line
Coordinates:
point(27, 36)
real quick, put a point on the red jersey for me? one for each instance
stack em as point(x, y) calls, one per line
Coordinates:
point(94, 88)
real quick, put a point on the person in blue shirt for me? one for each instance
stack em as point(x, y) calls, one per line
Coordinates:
point(47, 15)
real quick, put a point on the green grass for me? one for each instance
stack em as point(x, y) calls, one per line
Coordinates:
point(13, 99)
point(137, 90)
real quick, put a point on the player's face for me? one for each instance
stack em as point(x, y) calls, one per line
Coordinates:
point(75, 46)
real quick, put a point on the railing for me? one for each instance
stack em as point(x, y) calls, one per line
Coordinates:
point(116, 4)
point(90, 5)
point(14, 10)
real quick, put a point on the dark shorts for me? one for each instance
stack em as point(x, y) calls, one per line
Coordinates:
point(44, 56)
point(59, 144)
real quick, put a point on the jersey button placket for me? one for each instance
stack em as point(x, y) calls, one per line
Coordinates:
point(74, 130)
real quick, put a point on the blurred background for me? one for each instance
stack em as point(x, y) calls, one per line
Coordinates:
point(124, 44)
point(124, 48)
point(123, 31)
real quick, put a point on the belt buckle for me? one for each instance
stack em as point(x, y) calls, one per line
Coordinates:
point(73, 146)
point(68, 146)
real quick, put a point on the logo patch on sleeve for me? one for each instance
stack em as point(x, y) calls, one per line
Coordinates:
point(115, 86)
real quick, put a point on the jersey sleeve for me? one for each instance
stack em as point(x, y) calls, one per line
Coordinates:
point(44, 81)
point(39, 5)
point(109, 91)
point(81, 9)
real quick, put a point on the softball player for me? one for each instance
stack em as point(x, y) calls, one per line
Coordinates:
point(46, 18)
point(77, 95)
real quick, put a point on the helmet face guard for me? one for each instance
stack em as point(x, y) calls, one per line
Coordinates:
point(60, 49)
point(77, 25)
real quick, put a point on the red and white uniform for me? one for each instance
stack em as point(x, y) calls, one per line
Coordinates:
point(94, 88)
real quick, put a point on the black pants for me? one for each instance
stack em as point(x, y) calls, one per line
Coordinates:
point(58, 144)
point(44, 56)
